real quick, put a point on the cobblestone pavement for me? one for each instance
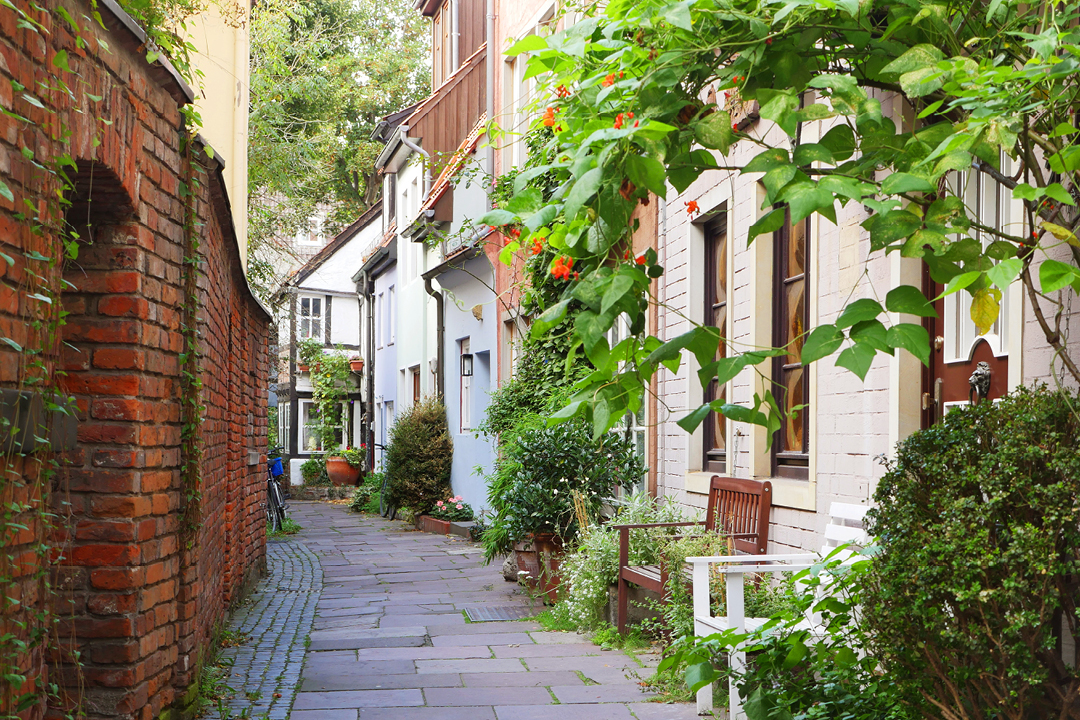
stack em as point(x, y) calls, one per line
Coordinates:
point(278, 617)
point(390, 641)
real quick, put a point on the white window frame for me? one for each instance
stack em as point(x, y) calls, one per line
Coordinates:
point(380, 331)
point(465, 397)
point(305, 435)
point(284, 409)
point(635, 425)
point(391, 320)
point(311, 316)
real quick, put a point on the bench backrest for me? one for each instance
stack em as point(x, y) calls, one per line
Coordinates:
point(845, 526)
point(740, 509)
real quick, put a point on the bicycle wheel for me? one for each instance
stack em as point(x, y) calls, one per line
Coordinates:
point(384, 504)
point(278, 505)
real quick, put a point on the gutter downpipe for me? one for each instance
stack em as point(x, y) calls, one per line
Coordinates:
point(440, 333)
point(455, 32)
point(489, 72)
point(407, 142)
point(370, 364)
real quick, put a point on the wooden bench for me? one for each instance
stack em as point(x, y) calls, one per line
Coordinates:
point(739, 508)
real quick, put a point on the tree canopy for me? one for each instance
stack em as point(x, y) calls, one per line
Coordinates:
point(323, 72)
point(628, 95)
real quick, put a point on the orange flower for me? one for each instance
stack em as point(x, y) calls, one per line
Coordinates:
point(641, 260)
point(609, 80)
point(562, 91)
point(618, 121)
point(537, 247)
point(630, 115)
point(549, 117)
point(691, 207)
point(560, 269)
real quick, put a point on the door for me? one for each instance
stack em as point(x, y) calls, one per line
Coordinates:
point(956, 346)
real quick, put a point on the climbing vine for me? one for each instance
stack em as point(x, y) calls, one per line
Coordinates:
point(33, 497)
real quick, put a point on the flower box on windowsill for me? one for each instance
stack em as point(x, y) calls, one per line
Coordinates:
point(302, 368)
point(426, 523)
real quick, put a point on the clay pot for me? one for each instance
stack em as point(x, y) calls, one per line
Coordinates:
point(340, 472)
point(539, 557)
point(356, 365)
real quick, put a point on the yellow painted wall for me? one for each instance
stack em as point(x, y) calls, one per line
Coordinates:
point(221, 39)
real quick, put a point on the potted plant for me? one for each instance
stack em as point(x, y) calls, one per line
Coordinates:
point(534, 489)
point(308, 353)
point(445, 512)
point(356, 364)
point(344, 466)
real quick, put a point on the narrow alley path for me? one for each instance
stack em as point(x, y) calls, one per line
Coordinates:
point(389, 639)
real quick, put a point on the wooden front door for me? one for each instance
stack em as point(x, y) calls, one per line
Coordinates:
point(956, 348)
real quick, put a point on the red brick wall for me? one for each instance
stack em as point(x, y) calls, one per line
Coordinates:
point(139, 596)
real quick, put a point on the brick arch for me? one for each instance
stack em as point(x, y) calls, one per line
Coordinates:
point(97, 195)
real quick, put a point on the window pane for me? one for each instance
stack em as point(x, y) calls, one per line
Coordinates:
point(796, 312)
point(796, 258)
point(316, 307)
point(305, 328)
point(316, 329)
point(305, 307)
point(793, 423)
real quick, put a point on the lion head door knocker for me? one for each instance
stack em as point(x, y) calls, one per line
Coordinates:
point(980, 383)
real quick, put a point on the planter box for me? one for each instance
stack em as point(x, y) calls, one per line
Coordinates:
point(461, 528)
point(426, 523)
point(539, 559)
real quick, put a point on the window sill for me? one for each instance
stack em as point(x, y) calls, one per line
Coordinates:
point(787, 492)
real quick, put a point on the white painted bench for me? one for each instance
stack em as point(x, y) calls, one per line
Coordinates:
point(845, 528)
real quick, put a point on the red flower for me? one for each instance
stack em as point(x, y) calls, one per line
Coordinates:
point(768, 41)
point(549, 117)
point(537, 248)
point(626, 255)
point(618, 121)
point(691, 207)
point(515, 232)
point(609, 80)
point(562, 91)
point(635, 123)
point(735, 127)
point(641, 260)
point(560, 270)
point(575, 275)
point(630, 115)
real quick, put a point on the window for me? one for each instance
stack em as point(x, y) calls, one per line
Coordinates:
point(311, 318)
point(380, 332)
point(466, 388)
point(791, 315)
point(283, 425)
point(631, 426)
point(414, 376)
point(443, 43)
point(390, 320)
point(390, 193)
point(310, 441)
point(714, 442)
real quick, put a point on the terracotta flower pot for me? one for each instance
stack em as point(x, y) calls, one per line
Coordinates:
point(356, 365)
point(539, 557)
point(302, 368)
point(340, 472)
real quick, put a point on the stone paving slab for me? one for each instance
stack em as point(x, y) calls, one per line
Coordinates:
point(380, 606)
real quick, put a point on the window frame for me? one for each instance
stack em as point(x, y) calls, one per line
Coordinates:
point(786, 462)
point(300, 317)
point(714, 449)
point(464, 390)
point(301, 437)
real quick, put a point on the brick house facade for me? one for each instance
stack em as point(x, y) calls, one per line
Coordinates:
point(139, 593)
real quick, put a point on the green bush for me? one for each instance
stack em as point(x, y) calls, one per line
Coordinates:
point(419, 455)
point(540, 472)
point(979, 522)
point(313, 472)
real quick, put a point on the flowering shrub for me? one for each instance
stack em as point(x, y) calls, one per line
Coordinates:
point(452, 510)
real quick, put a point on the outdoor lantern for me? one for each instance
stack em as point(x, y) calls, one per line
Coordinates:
point(466, 364)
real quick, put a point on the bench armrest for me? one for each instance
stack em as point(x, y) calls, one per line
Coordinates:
point(655, 525)
point(751, 559)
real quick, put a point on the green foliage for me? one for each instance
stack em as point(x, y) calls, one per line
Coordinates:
point(289, 527)
point(331, 380)
point(792, 673)
point(312, 471)
point(593, 566)
point(539, 473)
point(980, 530)
point(452, 510)
point(309, 351)
point(323, 73)
point(984, 79)
point(419, 456)
point(366, 495)
point(353, 456)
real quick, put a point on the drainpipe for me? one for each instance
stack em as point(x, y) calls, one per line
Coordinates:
point(407, 142)
point(489, 72)
point(370, 365)
point(440, 332)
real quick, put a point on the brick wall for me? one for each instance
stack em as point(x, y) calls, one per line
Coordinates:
point(139, 598)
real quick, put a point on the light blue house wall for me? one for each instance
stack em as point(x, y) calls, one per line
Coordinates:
point(386, 299)
point(470, 313)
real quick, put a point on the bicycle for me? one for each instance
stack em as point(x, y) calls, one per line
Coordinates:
point(276, 509)
point(385, 508)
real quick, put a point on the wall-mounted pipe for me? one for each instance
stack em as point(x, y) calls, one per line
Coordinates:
point(407, 142)
point(455, 33)
point(440, 333)
point(489, 72)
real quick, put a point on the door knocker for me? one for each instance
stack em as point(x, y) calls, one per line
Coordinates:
point(979, 383)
